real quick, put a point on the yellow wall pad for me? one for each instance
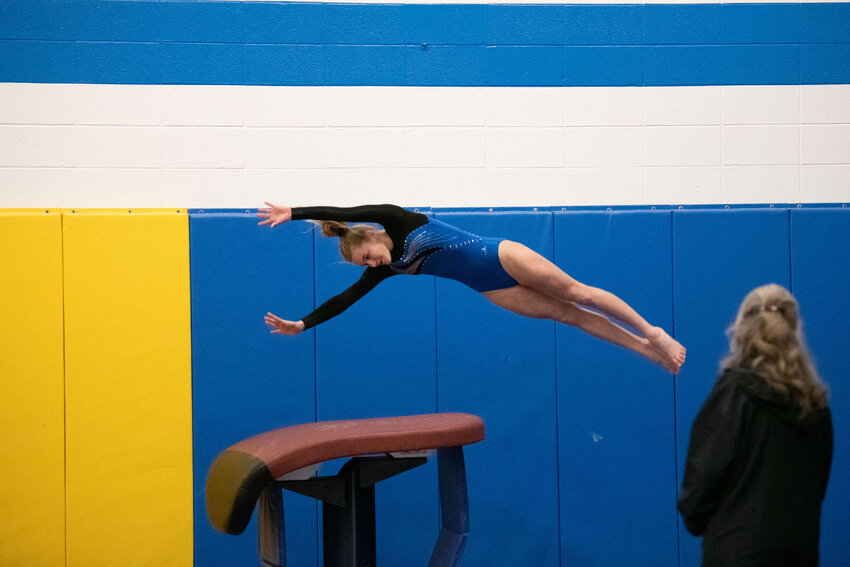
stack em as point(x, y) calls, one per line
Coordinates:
point(128, 389)
point(32, 451)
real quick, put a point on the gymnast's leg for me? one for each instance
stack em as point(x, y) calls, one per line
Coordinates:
point(532, 270)
point(528, 302)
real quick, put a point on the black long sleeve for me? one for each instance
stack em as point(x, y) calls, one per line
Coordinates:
point(342, 301)
point(392, 217)
point(711, 451)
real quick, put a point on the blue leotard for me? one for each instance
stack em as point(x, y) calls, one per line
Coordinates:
point(439, 249)
point(421, 245)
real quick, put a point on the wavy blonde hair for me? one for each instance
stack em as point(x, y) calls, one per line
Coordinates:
point(350, 237)
point(767, 338)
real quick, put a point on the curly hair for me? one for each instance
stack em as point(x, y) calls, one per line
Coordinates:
point(767, 339)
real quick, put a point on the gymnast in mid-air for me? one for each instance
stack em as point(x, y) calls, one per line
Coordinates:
point(507, 273)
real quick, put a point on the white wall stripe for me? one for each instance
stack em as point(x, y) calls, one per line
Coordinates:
point(235, 146)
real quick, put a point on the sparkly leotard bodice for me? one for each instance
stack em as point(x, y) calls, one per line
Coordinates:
point(440, 249)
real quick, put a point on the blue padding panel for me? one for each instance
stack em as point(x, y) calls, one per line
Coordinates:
point(246, 380)
point(820, 279)
point(501, 367)
point(616, 438)
point(364, 44)
point(378, 359)
point(718, 257)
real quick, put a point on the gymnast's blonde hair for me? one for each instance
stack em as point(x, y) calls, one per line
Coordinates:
point(767, 338)
point(350, 237)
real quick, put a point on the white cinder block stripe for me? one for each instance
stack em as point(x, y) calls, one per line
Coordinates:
point(120, 105)
point(446, 147)
point(285, 106)
point(203, 105)
point(825, 144)
point(228, 146)
point(286, 148)
point(38, 146)
point(518, 186)
point(682, 145)
point(595, 146)
point(211, 148)
point(308, 186)
point(429, 106)
point(601, 106)
point(525, 147)
point(759, 104)
point(761, 145)
point(682, 106)
point(118, 147)
point(25, 103)
point(366, 147)
point(683, 185)
point(761, 184)
point(605, 185)
point(456, 187)
point(525, 107)
point(825, 183)
point(365, 106)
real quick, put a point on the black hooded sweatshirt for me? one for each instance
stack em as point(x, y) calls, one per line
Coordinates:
point(755, 476)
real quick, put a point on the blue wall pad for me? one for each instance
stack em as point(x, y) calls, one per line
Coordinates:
point(208, 42)
point(378, 359)
point(246, 380)
point(820, 279)
point(718, 257)
point(616, 423)
point(502, 367)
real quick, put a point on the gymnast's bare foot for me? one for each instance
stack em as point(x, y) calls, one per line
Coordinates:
point(672, 353)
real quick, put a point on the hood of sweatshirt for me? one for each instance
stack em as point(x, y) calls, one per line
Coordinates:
point(779, 402)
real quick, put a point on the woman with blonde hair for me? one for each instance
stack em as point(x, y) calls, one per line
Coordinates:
point(507, 273)
point(761, 446)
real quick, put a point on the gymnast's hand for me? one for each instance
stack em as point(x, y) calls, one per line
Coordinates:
point(283, 327)
point(274, 215)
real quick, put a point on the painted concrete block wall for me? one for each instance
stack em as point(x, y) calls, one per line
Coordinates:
point(411, 104)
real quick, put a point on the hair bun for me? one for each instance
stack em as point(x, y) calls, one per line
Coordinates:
point(333, 228)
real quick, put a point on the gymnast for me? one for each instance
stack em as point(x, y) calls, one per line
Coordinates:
point(507, 273)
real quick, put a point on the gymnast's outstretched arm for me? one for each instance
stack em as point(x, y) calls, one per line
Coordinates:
point(381, 214)
point(333, 306)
